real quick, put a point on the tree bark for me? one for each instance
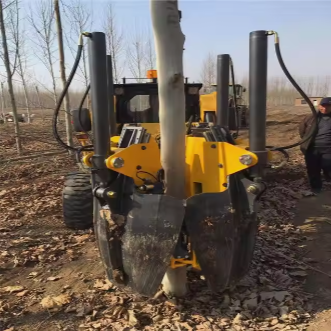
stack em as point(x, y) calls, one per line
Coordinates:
point(9, 79)
point(25, 88)
point(169, 42)
point(63, 73)
point(39, 103)
point(3, 103)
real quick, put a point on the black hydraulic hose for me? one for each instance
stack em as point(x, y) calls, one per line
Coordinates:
point(285, 155)
point(63, 93)
point(84, 98)
point(298, 88)
point(234, 96)
point(80, 107)
point(189, 125)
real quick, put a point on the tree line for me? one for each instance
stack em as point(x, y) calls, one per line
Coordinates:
point(43, 38)
point(280, 90)
point(45, 35)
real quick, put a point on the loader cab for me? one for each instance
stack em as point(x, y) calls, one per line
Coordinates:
point(139, 102)
point(239, 90)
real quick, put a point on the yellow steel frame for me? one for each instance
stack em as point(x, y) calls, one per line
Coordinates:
point(207, 164)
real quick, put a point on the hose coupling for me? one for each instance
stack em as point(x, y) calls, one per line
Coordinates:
point(271, 32)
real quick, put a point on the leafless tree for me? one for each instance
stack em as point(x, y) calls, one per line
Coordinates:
point(325, 86)
point(208, 72)
point(136, 54)
point(150, 57)
point(41, 19)
point(136, 59)
point(114, 37)
point(80, 19)
point(9, 75)
point(17, 36)
point(63, 72)
point(2, 102)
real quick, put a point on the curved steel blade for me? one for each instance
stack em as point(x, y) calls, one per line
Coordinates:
point(151, 234)
point(136, 250)
point(222, 231)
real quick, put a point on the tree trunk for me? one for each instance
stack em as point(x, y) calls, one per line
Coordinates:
point(25, 88)
point(63, 73)
point(3, 104)
point(3, 97)
point(169, 42)
point(9, 80)
point(39, 103)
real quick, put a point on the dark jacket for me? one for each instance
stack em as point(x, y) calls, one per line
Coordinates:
point(306, 127)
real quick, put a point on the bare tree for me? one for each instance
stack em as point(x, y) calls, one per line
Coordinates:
point(150, 57)
point(63, 73)
point(80, 19)
point(18, 41)
point(41, 19)
point(9, 78)
point(3, 99)
point(114, 38)
point(136, 54)
point(136, 59)
point(12, 22)
point(208, 72)
point(325, 86)
point(2, 102)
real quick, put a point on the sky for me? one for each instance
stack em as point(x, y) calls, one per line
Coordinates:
point(224, 26)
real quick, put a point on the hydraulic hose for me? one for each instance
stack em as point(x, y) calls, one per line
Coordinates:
point(80, 107)
point(234, 96)
point(298, 88)
point(64, 92)
point(83, 99)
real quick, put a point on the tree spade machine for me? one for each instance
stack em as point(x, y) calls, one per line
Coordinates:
point(145, 228)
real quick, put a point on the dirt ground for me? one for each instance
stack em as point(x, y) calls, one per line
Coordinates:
point(51, 278)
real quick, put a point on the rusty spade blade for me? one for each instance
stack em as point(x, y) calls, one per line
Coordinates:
point(151, 233)
point(222, 233)
point(136, 250)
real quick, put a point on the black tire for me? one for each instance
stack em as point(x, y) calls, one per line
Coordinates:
point(77, 201)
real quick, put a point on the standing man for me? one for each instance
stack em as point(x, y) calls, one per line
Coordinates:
point(317, 150)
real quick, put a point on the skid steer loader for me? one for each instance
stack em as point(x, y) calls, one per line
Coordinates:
point(141, 231)
point(238, 115)
point(237, 106)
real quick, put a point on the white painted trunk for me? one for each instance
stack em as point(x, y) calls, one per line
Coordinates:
point(169, 42)
point(3, 103)
point(39, 103)
point(25, 88)
point(63, 74)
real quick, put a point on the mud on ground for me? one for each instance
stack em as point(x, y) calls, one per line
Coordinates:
point(51, 278)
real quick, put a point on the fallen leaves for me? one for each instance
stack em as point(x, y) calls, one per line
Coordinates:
point(299, 273)
point(12, 289)
point(32, 235)
point(53, 278)
point(103, 285)
point(50, 302)
point(22, 294)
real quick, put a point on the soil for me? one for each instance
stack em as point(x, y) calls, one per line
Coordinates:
point(51, 278)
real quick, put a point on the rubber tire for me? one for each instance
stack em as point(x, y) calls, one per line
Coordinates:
point(77, 200)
